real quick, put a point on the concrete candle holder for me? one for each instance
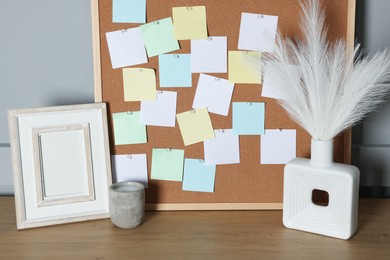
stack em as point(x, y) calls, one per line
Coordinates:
point(127, 204)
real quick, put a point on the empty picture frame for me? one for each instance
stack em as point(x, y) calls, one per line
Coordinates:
point(61, 164)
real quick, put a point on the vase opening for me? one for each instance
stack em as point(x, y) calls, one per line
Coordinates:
point(320, 197)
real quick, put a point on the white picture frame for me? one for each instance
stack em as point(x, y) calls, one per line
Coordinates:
point(61, 164)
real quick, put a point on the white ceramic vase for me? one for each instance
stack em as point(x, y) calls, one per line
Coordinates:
point(340, 181)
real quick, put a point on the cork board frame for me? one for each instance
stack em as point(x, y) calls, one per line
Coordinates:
point(248, 185)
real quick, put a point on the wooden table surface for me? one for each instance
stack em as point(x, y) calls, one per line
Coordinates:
point(195, 235)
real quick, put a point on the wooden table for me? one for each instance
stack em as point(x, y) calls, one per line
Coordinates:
point(195, 235)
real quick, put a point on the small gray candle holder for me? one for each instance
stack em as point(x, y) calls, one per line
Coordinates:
point(127, 204)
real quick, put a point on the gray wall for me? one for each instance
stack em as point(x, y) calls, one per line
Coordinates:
point(371, 139)
point(45, 60)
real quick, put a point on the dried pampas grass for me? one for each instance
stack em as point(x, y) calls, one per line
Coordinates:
point(337, 88)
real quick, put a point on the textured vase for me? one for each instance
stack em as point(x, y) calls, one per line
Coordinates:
point(127, 204)
point(303, 176)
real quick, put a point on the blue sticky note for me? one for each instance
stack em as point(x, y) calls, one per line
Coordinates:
point(198, 176)
point(129, 11)
point(175, 70)
point(248, 118)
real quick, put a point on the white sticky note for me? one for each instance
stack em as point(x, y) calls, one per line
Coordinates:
point(162, 111)
point(126, 48)
point(209, 55)
point(275, 78)
point(277, 146)
point(130, 167)
point(213, 93)
point(223, 149)
point(257, 32)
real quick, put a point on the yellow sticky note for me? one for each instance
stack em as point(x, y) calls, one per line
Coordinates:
point(195, 126)
point(139, 84)
point(189, 22)
point(244, 67)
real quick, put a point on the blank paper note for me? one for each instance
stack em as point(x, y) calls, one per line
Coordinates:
point(209, 55)
point(223, 149)
point(160, 112)
point(158, 37)
point(257, 32)
point(175, 70)
point(244, 67)
point(139, 84)
point(277, 146)
point(167, 164)
point(126, 48)
point(274, 77)
point(129, 11)
point(190, 22)
point(130, 167)
point(195, 126)
point(213, 93)
point(198, 176)
point(248, 118)
point(128, 129)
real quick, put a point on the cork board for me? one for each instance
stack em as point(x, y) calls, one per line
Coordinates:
point(248, 185)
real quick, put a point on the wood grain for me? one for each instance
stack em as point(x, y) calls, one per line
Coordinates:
point(97, 70)
point(195, 235)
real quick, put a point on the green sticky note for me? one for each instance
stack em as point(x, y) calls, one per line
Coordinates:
point(158, 37)
point(128, 128)
point(167, 164)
